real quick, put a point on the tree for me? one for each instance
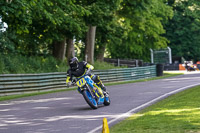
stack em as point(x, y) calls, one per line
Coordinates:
point(143, 21)
point(101, 13)
point(68, 23)
point(43, 26)
point(127, 29)
point(17, 17)
point(183, 30)
point(108, 34)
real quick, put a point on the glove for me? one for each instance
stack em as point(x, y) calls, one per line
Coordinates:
point(69, 83)
point(67, 79)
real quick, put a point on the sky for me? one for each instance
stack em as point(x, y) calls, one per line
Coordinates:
point(5, 26)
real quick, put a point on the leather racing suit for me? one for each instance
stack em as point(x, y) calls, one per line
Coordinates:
point(82, 69)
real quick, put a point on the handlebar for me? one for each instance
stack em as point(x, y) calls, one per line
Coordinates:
point(88, 71)
point(74, 81)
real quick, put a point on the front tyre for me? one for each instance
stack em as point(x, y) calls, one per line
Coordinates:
point(106, 101)
point(89, 99)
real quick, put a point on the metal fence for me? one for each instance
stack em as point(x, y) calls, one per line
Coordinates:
point(169, 67)
point(26, 83)
point(123, 62)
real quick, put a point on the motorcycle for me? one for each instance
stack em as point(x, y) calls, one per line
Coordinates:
point(91, 92)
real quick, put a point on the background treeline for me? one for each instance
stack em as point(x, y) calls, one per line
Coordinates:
point(92, 29)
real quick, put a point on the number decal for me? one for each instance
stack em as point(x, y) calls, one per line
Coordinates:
point(81, 82)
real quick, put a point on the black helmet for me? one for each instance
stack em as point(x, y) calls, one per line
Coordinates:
point(73, 63)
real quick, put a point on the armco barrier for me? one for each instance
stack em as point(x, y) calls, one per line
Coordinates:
point(22, 83)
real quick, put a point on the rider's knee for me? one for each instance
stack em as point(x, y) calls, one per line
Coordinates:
point(96, 79)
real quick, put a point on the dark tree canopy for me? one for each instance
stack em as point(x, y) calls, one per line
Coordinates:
point(122, 28)
point(143, 23)
point(183, 30)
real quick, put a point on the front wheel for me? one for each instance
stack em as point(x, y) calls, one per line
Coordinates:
point(89, 99)
point(106, 101)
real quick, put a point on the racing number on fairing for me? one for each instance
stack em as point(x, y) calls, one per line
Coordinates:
point(81, 82)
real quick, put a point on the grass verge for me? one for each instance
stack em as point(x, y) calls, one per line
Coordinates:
point(179, 113)
point(3, 98)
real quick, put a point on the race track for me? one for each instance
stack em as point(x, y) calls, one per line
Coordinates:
point(67, 112)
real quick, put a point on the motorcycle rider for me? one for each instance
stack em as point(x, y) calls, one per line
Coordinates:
point(78, 69)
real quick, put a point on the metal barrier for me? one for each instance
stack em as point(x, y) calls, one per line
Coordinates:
point(123, 62)
point(22, 83)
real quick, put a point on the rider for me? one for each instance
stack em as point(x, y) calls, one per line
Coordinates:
point(79, 69)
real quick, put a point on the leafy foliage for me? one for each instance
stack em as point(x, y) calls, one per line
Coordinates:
point(6, 44)
point(37, 23)
point(143, 23)
point(108, 28)
point(21, 64)
point(125, 28)
point(36, 64)
point(183, 30)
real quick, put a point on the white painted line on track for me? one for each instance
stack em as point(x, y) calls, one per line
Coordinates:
point(131, 112)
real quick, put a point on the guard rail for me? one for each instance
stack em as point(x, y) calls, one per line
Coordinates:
point(26, 83)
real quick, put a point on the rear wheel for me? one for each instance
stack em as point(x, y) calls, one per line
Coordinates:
point(89, 99)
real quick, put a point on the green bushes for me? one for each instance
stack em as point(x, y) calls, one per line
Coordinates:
point(23, 64)
point(12, 64)
point(104, 65)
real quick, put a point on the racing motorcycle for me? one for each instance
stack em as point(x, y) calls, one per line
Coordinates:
point(91, 92)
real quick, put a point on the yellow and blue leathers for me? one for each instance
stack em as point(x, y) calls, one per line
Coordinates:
point(80, 71)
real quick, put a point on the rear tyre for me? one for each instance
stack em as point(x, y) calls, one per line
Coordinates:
point(89, 99)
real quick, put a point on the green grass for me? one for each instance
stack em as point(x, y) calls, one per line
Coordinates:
point(179, 113)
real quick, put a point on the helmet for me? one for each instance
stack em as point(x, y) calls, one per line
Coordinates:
point(73, 63)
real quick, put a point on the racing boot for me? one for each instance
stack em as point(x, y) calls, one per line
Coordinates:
point(105, 92)
point(97, 80)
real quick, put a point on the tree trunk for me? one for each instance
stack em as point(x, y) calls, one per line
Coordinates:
point(90, 42)
point(59, 49)
point(100, 56)
point(70, 49)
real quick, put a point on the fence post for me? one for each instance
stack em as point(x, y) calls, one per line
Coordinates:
point(152, 61)
point(118, 62)
point(136, 63)
point(170, 55)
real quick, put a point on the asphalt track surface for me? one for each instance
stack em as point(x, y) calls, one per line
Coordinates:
point(67, 112)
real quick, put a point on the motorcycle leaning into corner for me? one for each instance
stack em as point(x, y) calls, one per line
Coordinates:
point(92, 93)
